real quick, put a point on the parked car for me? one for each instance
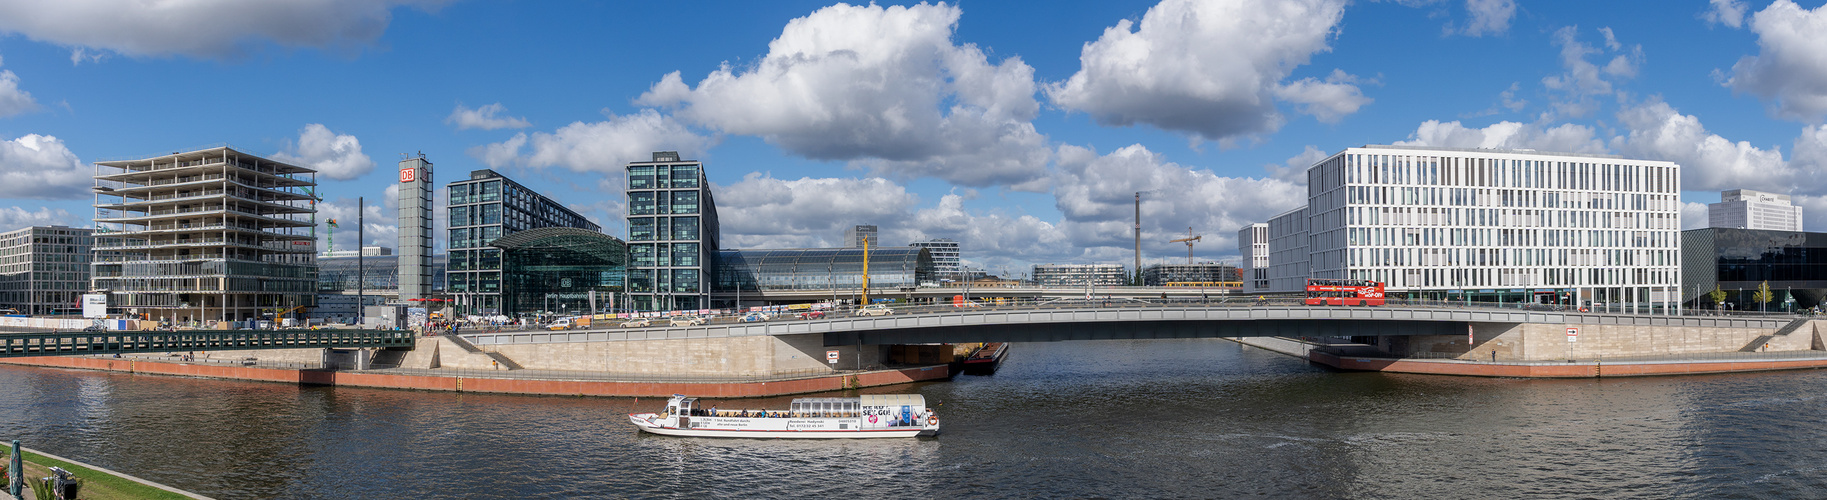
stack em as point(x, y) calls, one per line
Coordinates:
point(563, 324)
point(687, 321)
point(812, 315)
point(753, 317)
point(874, 310)
point(637, 323)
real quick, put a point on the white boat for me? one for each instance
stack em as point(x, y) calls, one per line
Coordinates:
point(868, 416)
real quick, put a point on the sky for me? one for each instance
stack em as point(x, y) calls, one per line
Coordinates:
point(1023, 130)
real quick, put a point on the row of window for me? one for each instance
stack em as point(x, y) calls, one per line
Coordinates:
point(664, 255)
point(664, 280)
point(662, 228)
point(664, 176)
point(1498, 257)
point(1510, 217)
point(662, 202)
point(1505, 277)
point(1438, 237)
point(1512, 173)
point(1519, 198)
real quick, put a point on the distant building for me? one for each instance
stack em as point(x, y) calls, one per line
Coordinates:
point(1747, 209)
point(44, 269)
point(367, 251)
point(1196, 275)
point(855, 236)
point(1738, 261)
point(945, 257)
point(208, 235)
point(379, 272)
point(1253, 245)
point(1289, 255)
point(890, 269)
point(1079, 275)
point(673, 234)
point(483, 208)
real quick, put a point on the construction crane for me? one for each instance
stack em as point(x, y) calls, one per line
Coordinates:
point(1188, 240)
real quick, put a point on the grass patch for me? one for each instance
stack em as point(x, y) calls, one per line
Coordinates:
point(96, 484)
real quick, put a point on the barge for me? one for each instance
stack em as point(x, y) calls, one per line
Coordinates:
point(867, 416)
point(986, 360)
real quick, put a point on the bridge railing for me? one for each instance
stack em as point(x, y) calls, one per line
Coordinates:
point(61, 343)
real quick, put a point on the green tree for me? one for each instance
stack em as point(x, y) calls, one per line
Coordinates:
point(1718, 295)
point(1763, 295)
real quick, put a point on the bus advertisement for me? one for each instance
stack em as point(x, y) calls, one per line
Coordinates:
point(1344, 293)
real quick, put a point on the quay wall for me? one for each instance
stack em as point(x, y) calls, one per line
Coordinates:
point(503, 385)
point(1545, 342)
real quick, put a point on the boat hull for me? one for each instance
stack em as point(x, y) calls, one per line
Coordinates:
point(650, 423)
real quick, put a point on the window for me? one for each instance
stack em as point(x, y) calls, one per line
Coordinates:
point(640, 256)
point(684, 228)
point(685, 280)
point(684, 202)
point(684, 176)
point(459, 238)
point(491, 214)
point(491, 191)
point(685, 254)
point(459, 216)
point(640, 177)
point(640, 203)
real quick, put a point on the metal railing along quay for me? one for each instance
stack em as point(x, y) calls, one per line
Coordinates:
point(68, 343)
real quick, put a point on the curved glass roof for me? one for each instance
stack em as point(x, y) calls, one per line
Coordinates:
point(605, 248)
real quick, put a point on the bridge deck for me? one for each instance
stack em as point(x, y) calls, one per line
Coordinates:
point(68, 343)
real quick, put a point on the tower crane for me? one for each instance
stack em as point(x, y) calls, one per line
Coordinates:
point(1188, 240)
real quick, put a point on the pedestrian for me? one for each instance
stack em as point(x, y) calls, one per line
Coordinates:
point(495, 364)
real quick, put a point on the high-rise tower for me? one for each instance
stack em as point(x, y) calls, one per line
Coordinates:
point(415, 228)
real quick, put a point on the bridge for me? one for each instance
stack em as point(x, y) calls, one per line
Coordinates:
point(1131, 319)
point(75, 343)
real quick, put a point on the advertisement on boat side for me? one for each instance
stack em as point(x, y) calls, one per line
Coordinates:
point(821, 425)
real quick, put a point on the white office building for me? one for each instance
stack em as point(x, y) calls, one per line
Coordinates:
point(1253, 245)
point(1079, 275)
point(1747, 209)
point(1489, 225)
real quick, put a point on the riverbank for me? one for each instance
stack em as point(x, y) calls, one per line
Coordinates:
point(503, 382)
point(1369, 360)
point(98, 483)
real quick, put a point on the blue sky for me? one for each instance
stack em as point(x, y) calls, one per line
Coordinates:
point(1020, 129)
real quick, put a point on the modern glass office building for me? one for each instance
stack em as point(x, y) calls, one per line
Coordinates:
point(1738, 261)
point(890, 269)
point(484, 207)
point(945, 257)
point(672, 234)
point(555, 269)
point(45, 269)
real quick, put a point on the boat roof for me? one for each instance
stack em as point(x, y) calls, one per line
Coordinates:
point(893, 400)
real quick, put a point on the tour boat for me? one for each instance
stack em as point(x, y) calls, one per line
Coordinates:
point(868, 416)
point(986, 360)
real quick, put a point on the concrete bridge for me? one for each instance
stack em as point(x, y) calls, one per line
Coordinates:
point(1131, 320)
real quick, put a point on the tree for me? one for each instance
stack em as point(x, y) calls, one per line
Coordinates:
point(1717, 295)
point(1763, 295)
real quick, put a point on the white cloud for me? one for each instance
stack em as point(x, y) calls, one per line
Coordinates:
point(12, 100)
point(1294, 171)
point(765, 212)
point(1585, 80)
point(1212, 68)
point(1489, 17)
point(1708, 162)
point(484, 118)
point(1328, 101)
point(881, 86)
point(1788, 70)
point(1727, 12)
point(1563, 138)
point(604, 146)
point(41, 167)
point(199, 28)
point(337, 156)
point(1693, 215)
point(12, 218)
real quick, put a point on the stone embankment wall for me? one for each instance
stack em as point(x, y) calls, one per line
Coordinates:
point(1541, 342)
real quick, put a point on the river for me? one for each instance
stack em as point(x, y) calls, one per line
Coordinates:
point(1153, 418)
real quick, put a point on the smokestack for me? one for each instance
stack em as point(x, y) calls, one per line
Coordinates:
point(1138, 268)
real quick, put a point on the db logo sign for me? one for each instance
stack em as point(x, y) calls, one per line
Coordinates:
point(409, 174)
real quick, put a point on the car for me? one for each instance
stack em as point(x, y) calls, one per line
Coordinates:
point(687, 321)
point(874, 310)
point(812, 315)
point(753, 317)
point(637, 323)
point(563, 324)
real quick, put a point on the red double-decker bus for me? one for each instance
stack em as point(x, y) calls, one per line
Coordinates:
point(1344, 293)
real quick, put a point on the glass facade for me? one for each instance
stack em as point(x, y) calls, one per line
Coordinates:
point(483, 208)
point(379, 274)
point(555, 269)
point(823, 269)
point(672, 234)
point(1738, 261)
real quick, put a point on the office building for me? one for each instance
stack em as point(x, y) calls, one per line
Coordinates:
point(44, 270)
point(415, 228)
point(1253, 245)
point(377, 271)
point(945, 257)
point(1747, 209)
point(1079, 275)
point(484, 207)
point(673, 234)
point(1738, 261)
point(1488, 225)
point(208, 235)
point(1205, 275)
point(367, 251)
point(856, 235)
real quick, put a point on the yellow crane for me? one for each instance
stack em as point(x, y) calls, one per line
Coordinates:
point(1188, 240)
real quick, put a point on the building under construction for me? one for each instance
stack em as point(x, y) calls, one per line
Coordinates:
point(205, 236)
